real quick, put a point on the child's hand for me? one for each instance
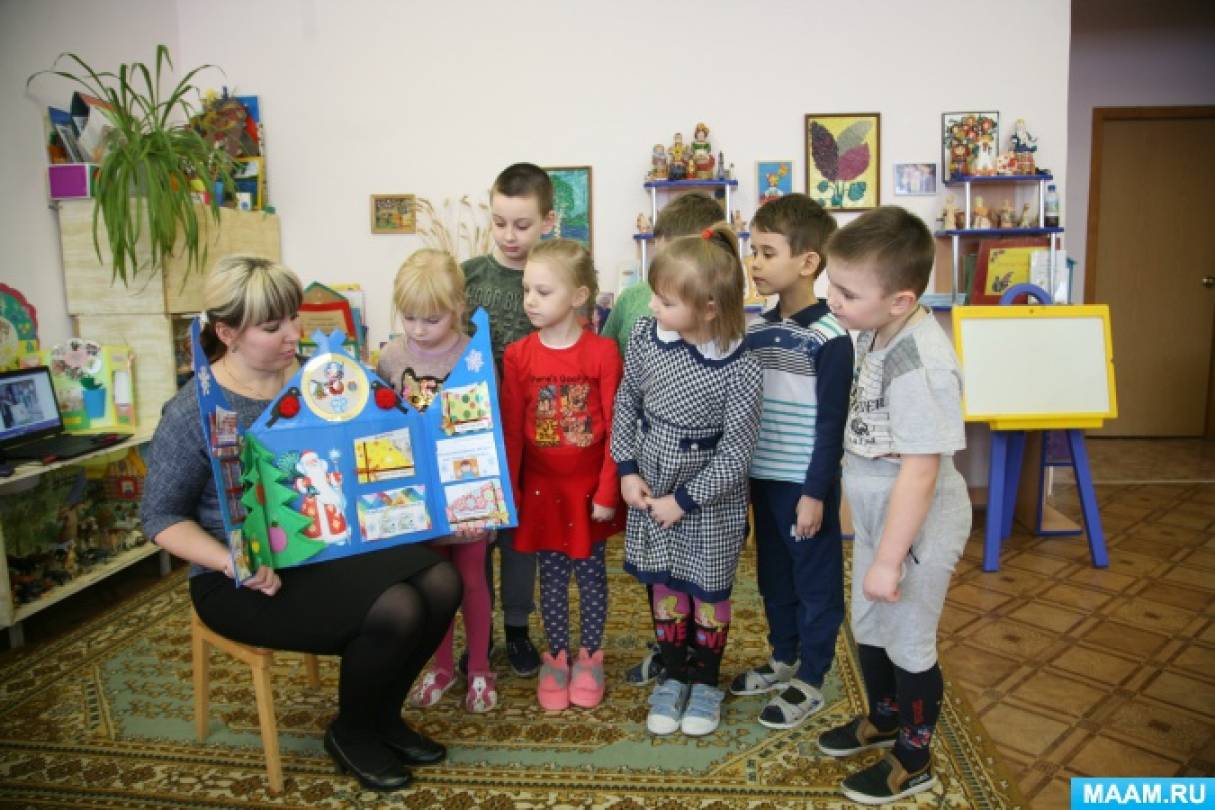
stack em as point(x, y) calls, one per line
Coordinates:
point(809, 518)
point(666, 511)
point(602, 514)
point(634, 490)
point(882, 582)
point(265, 581)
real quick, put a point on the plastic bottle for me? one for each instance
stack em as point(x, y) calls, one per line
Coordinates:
point(1052, 207)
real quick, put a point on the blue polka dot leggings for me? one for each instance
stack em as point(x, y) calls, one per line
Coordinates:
point(591, 573)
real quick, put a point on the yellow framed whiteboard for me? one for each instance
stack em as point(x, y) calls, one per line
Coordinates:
point(1036, 367)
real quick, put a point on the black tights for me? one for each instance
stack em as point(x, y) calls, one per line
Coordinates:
point(399, 634)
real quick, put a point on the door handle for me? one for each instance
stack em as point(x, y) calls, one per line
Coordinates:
point(1208, 282)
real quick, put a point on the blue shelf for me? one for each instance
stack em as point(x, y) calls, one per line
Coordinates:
point(649, 237)
point(963, 179)
point(998, 232)
point(691, 183)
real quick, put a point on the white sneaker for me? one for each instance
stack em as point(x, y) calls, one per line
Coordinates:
point(666, 706)
point(703, 713)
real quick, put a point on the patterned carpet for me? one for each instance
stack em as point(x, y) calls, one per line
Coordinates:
point(102, 717)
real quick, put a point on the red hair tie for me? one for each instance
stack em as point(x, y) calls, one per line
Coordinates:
point(707, 233)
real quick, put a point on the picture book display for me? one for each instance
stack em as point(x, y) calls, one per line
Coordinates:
point(339, 465)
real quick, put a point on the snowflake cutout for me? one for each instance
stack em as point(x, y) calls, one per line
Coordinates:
point(339, 404)
point(474, 361)
point(335, 455)
point(204, 380)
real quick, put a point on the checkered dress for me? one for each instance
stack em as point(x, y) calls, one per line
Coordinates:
point(687, 425)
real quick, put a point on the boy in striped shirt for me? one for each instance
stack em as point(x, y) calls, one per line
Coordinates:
point(807, 358)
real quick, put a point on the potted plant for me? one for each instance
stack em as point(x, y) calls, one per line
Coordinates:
point(151, 165)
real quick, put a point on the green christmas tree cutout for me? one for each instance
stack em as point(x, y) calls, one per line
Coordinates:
point(273, 531)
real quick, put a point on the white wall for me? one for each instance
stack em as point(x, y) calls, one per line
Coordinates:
point(1127, 53)
point(435, 98)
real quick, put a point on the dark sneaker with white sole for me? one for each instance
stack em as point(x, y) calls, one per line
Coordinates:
point(523, 657)
point(887, 781)
point(650, 669)
point(857, 735)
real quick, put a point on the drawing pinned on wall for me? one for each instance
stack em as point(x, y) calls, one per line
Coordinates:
point(773, 178)
point(842, 160)
point(572, 202)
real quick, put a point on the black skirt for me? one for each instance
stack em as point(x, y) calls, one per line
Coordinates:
point(318, 609)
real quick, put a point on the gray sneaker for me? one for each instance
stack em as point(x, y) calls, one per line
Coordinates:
point(666, 706)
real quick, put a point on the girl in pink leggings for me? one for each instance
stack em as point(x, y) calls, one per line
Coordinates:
point(429, 298)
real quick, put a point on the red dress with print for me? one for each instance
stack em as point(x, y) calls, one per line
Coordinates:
point(556, 413)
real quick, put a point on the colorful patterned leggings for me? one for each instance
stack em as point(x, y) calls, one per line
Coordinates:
point(591, 573)
point(696, 656)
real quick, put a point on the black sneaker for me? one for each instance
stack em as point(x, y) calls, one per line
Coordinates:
point(524, 660)
point(857, 735)
point(887, 781)
point(462, 664)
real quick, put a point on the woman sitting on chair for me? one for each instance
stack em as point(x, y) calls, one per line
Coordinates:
point(383, 612)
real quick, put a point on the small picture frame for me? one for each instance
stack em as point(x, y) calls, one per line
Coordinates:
point(915, 179)
point(394, 213)
point(843, 159)
point(961, 134)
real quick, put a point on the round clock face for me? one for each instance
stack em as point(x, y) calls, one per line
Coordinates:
point(335, 387)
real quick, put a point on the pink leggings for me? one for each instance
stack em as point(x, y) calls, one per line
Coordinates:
point(469, 559)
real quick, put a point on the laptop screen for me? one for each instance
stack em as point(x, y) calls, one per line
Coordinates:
point(28, 408)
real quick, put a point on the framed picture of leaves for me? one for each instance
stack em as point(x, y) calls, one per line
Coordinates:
point(843, 161)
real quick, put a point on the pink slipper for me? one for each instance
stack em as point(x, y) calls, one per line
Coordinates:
point(430, 689)
point(553, 685)
point(586, 680)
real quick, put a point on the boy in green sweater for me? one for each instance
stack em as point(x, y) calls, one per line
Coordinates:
point(521, 211)
point(685, 215)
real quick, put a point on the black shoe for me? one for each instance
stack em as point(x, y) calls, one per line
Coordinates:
point(462, 664)
point(857, 735)
point(382, 773)
point(524, 660)
point(414, 748)
point(887, 781)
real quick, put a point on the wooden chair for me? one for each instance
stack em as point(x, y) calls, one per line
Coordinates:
point(259, 660)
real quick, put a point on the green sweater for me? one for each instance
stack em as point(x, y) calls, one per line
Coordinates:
point(499, 289)
point(632, 304)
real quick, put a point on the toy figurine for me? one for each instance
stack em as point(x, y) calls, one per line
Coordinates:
point(949, 217)
point(721, 165)
point(702, 153)
point(980, 214)
point(736, 220)
point(1023, 145)
point(677, 166)
point(1008, 219)
point(677, 149)
point(730, 172)
point(1029, 218)
point(658, 162)
point(643, 224)
point(983, 156)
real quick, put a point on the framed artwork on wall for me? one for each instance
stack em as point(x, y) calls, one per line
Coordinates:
point(394, 213)
point(961, 134)
point(773, 178)
point(843, 160)
point(912, 179)
point(572, 202)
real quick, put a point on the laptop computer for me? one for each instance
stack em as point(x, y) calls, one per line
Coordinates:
point(31, 426)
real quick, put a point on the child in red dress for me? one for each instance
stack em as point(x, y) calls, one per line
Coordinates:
point(557, 391)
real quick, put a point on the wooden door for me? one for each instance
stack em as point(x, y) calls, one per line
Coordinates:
point(1151, 245)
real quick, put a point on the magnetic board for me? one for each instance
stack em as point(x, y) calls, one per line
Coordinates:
point(1036, 367)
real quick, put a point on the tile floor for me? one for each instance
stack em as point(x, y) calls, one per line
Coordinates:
point(1077, 671)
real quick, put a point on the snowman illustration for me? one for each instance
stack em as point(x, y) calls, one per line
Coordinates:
point(323, 501)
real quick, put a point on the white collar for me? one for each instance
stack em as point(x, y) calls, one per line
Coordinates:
point(709, 350)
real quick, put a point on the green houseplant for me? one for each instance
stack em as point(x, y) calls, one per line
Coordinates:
point(149, 159)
